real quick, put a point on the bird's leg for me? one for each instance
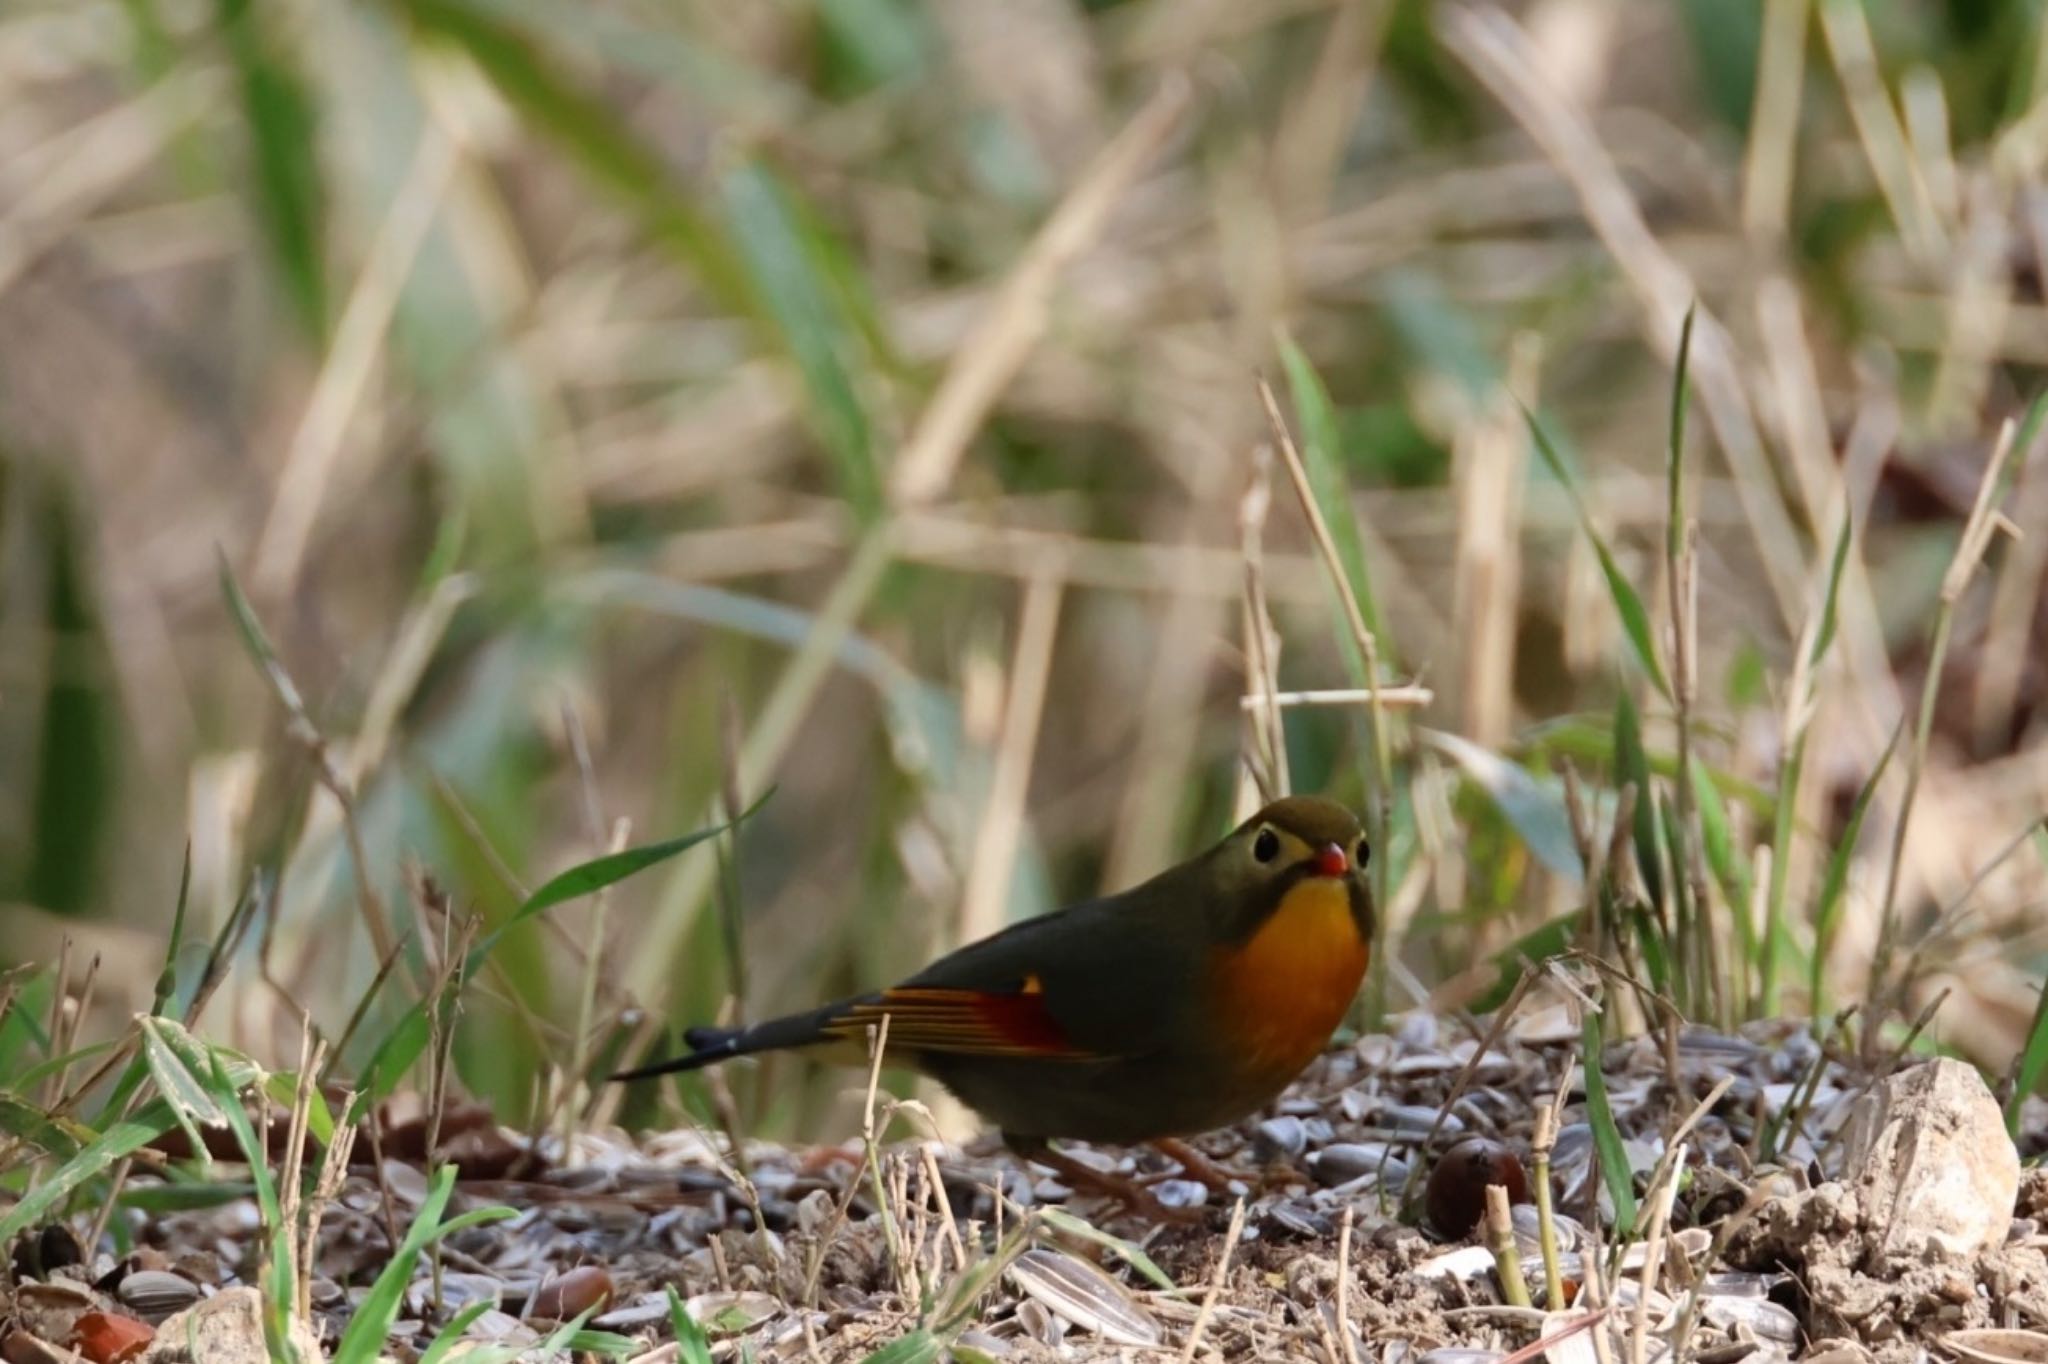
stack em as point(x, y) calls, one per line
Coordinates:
point(1198, 1167)
point(1082, 1176)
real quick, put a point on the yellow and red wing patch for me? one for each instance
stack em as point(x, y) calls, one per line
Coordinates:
point(982, 1022)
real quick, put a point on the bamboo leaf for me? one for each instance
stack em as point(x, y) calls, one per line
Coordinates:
point(1607, 1143)
point(1635, 619)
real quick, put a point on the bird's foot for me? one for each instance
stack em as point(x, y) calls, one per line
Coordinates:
point(1132, 1194)
point(1218, 1179)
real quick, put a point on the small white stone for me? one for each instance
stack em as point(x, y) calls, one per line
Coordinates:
point(1933, 1168)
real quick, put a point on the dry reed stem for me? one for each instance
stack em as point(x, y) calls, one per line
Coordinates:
point(1499, 54)
point(1393, 697)
point(1983, 522)
point(1265, 734)
point(316, 446)
point(993, 863)
point(1491, 453)
point(1774, 123)
point(67, 176)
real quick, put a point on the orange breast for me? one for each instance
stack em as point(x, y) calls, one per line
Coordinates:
point(1282, 992)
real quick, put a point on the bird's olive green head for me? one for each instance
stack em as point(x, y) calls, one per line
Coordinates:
point(1290, 841)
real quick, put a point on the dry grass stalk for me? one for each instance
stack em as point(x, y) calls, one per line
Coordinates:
point(1984, 521)
point(1265, 734)
point(999, 832)
point(1343, 1326)
point(1492, 456)
point(316, 446)
point(1774, 125)
point(1216, 1282)
point(1500, 55)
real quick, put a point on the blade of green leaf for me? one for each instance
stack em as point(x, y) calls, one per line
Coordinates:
point(601, 144)
point(1535, 811)
point(39, 1128)
point(1635, 619)
point(1827, 908)
point(1322, 457)
point(451, 1334)
point(804, 310)
point(1632, 767)
point(1539, 944)
point(279, 116)
point(190, 1101)
point(280, 1279)
point(1674, 521)
point(1061, 1220)
point(1607, 1141)
point(1729, 868)
point(1825, 635)
point(693, 1345)
point(407, 1038)
point(919, 1347)
point(363, 1340)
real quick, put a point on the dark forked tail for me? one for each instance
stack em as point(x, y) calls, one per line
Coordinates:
point(709, 1046)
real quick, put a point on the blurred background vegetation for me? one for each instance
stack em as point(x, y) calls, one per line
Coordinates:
point(615, 410)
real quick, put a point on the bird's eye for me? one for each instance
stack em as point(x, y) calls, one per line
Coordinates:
point(1266, 846)
point(1364, 855)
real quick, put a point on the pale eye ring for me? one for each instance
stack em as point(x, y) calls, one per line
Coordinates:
point(1266, 846)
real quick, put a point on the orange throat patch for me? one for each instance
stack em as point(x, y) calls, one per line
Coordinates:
point(1283, 991)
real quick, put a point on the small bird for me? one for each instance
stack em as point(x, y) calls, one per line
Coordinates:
point(1166, 1010)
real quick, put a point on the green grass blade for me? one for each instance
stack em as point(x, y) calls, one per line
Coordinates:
point(592, 134)
point(1632, 767)
point(451, 1335)
point(1607, 1141)
point(279, 1279)
point(400, 1047)
point(1730, 869)
point(279, 114)
point(1635, 619)
point(693, 1345)
point(803, 308)
point(1825, 635)
point(1539, 944)
point(1061, 1220)
point(919, 1347)
point(363, 1341)
point(38, 1127)
point(190, 1096)
point(1827, 908)
point(1674, 521)
point(1322, 457)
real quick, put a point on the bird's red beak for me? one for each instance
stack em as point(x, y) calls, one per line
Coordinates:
point(1331, 861)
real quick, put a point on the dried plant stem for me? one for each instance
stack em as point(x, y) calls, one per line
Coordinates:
point(1265, 733)
point(1344, 1288)
point(1216, 1282)
point(1983, 522)
point(1653, 1258)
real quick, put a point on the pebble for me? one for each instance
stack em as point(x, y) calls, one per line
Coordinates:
point(1280, 1138)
